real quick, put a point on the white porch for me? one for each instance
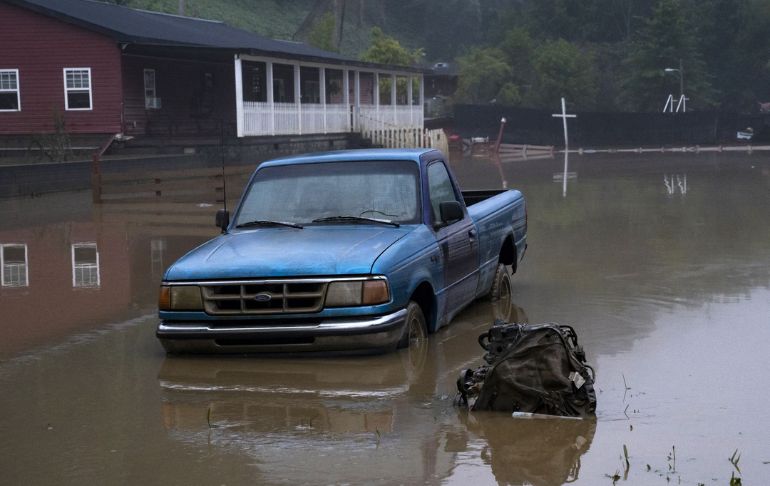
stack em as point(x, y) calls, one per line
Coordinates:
point(281, 97)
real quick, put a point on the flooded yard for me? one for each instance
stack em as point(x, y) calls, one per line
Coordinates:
point(660, 262)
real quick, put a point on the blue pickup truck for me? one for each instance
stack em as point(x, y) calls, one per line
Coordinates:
point(360, 250)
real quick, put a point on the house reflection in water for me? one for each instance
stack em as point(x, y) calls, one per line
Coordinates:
point(72, 276)
point(85, 265)
point(13, 260)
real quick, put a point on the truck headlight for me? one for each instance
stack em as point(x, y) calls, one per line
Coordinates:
point(180, 298)
point(353, 293)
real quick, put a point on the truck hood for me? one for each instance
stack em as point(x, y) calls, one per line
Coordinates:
point(287, 252)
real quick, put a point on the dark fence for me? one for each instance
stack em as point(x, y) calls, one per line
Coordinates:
point(592, 129)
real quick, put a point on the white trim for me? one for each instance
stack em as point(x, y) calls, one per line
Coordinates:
point(8, 90)
point(270, 94)
point(76, 267)
point(150, 102)
point(346, 94)
point(422, 91)
point(298, 117)
point(322, 91)
point(3, 281)
point(410, 98)
point(376, 91)
point(283, 60)
point(357, 88)
point(238, 96)
point(67, 90)
point(298, 94)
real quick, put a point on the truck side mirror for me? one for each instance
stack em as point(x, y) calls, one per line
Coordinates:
point(451, 211)
point(223, 219)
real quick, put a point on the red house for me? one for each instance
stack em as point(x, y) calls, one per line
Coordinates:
point(102, 68)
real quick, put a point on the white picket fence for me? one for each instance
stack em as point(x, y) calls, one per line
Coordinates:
point(407, 138)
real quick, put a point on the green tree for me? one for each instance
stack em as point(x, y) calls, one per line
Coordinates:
point(753, 50)
point(387, 50)
point(483, 74)
point(519, 49)
point(322, 33)
point(563, 70)
point(665, 38)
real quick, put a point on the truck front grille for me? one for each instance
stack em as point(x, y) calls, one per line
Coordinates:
point(263, 297)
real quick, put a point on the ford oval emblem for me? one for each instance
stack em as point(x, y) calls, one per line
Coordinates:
point(263, 297)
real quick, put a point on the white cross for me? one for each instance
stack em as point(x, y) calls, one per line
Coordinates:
point(563, 115)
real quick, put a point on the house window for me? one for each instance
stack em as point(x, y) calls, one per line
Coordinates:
point(151, 100)
point(283, 83)
point(85, 265)
point(13, 260)
point(334, 78)
point(254, 76)
point(77, 88)
point(9, 90)
point(309, 81)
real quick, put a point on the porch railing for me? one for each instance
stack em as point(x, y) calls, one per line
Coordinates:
point(261, 118)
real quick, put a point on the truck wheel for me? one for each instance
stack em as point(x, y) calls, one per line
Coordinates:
point(501, 286)
point(416, 329)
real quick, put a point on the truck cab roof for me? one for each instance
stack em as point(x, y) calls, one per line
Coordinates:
point(351, 155)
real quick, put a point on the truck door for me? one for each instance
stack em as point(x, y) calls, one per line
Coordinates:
point(457, 241)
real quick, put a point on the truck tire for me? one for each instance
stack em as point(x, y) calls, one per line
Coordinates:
point(416, 328)
point(501, 284)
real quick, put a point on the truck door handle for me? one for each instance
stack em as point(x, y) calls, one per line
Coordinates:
point(472, 234)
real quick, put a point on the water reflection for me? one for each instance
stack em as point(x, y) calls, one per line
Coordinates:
point(302, 419)
point(85, 265)
point(669, 292)
point(675, 183)
point(13, 260)
point(98, 268)
point(538, 452)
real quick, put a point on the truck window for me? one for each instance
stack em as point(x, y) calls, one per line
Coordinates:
point(302, 193)
point(440, 187)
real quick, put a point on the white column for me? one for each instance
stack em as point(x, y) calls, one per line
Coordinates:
point(346, 96)
point(422, 101)
point(393, 99)
point(357, 101)
point(376, 93)
point(357, 89)
point(409, 100)
point(238, 96)
point(270, 97)
point(322, 91)
point(298, 97)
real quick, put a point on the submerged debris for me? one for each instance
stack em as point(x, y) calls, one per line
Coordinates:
point(534, 369)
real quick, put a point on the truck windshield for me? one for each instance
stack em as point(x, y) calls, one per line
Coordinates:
point(384, 190)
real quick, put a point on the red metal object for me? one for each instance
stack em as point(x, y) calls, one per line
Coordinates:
point(500, 135)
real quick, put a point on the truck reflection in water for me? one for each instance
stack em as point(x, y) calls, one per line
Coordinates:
point(302, 419)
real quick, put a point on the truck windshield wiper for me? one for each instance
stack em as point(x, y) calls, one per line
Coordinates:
point(263, 222)
point(355, 219)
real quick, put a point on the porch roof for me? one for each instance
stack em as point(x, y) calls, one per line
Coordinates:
point(156, 29)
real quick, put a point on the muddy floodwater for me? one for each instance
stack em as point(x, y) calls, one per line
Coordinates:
point(660, 262)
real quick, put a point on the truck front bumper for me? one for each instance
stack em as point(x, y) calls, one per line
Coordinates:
point(363, 334)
